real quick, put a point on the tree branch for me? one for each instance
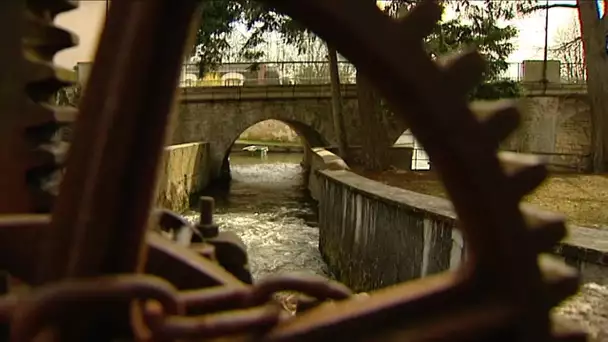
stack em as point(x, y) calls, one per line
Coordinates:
point(567, 45)
point(544, 7)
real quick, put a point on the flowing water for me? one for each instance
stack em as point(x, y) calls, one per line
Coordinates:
point(268, 206)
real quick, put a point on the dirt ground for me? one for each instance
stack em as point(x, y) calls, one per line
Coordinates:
point(582, 198)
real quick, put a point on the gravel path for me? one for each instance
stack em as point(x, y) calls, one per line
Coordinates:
point(588, 310)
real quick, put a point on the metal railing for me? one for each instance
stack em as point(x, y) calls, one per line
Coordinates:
point(317, 72)
point(266, 73)
point(573, 73)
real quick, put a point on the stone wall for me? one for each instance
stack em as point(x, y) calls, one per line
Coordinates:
point(318, 159)
point(373, 235)
point(219, 116)
point(270, 130)
point(556, 126)
point(184, 171)
point(220, 123)
point(227, 119)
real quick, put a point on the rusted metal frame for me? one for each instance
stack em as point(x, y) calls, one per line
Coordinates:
point(101, 215)
point(55, 301)
point(226, 310)
point(228, 248)
point(41, 121)
point(184, 268)
point(21, 236)
point(342, 317)
point(14, 197)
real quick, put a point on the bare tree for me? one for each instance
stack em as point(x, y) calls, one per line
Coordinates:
point(568, 49)
point(315, 66)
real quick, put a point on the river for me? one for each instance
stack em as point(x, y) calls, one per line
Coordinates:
point(268, 206)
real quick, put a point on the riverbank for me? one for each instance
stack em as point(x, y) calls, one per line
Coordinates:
point(581, 198)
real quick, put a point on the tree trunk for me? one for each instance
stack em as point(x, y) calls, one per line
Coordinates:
point(336, 103)
point(593, 32)
point(373, 134)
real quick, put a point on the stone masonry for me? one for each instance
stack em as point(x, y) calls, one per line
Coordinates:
point(556, 124)
point(270, 130)
point(220, 119)
point(183, 172)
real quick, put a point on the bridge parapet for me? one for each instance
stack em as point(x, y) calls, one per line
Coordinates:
point(323, 91)
point(266, 92)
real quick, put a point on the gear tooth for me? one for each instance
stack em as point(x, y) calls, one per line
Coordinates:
point(422, 19)
point(527, 179)
point(64, 114)
point(44, 122)
point(40, 158)
point(44, 80)
point(51, 8)
point(501, 124)
point(561, 280)
point(42, 195)
point(526, 173)
point(463, 70)
point(512, 162)
point(546, 234)
point(45, 39)
point(42, 114)
point(42, 71)
point(38, 114)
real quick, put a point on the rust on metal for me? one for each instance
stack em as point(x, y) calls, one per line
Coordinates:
point(93, 241)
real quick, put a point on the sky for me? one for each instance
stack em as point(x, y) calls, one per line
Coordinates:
point(88, 19)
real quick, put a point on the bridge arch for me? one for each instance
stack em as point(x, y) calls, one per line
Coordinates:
point(309, 137)
point(219, 121)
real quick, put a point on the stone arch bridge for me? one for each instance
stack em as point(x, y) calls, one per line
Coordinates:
point(218, 116)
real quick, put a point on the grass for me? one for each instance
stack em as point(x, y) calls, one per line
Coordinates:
point(582, 198)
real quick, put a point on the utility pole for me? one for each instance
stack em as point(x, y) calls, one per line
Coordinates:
point(545, 51)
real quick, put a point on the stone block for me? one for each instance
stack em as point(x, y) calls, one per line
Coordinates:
point(184, 171)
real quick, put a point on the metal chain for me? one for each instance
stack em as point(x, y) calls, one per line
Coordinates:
point(161, 307)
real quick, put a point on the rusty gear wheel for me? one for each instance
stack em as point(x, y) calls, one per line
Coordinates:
point(503, 292)
point(34, 124)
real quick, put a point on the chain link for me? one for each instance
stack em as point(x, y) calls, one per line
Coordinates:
point(82, 297)
point(158, 310)
point(225, 311)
